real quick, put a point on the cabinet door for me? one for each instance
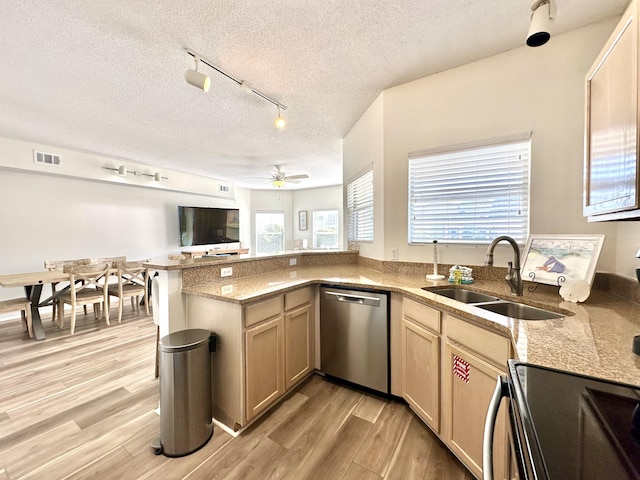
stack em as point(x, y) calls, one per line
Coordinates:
point(265, 365)
point(298, 345)
point(421, 372)
point(611, 143)
point(469, 385)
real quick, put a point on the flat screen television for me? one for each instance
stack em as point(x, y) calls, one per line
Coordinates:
point(208, 226)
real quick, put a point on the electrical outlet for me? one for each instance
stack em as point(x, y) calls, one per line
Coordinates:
point(394, 254)
point(293, 274)
point(226, 272)
point(293, 261)
point(226, 289)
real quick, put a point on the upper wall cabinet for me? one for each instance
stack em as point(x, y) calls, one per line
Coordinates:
point(611, 190)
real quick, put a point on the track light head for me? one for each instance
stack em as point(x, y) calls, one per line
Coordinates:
point(197, 79)
point(540, 26)
point(280, 122)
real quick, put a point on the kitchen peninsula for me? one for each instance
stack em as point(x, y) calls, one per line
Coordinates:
point(596, 340)
point(266, 316)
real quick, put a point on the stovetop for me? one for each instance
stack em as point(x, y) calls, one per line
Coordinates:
point(577, 427)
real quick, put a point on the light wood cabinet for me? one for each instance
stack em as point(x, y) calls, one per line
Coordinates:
point(612, 166)
point(421, 361)
point(298, 345)
point(264, 348)
point(473, 359)
point(264, 365)
point(279, 347)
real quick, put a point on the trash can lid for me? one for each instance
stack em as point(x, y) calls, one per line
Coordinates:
point(184, 340)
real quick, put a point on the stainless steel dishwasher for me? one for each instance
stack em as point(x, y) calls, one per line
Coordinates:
point(354, 336)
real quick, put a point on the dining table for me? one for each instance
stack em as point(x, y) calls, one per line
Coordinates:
point(33, 283)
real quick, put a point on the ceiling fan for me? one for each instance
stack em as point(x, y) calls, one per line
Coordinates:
point(280, 179)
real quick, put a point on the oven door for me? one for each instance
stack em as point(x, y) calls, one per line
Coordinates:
point(525, 462)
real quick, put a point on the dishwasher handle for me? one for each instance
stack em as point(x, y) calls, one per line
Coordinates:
point(349, 298)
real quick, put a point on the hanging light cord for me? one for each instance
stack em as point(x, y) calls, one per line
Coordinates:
point(231, 77)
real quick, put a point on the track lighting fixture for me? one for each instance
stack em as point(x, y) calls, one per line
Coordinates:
point(244, 85)
point(197, 79)
point(122, 171)
point(280, 122)
point(540, 26)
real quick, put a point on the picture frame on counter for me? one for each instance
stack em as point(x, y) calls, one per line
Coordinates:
point(302, 220)
point(555, 259)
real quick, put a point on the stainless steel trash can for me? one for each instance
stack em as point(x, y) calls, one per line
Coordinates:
point(185, 391)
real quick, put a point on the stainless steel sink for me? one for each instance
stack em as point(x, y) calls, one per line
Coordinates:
point(462, 295)
point(519, 311)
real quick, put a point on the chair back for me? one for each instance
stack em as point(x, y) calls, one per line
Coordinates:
point(52, 265)
point(113, 261)
point(85, 276)
point(132, 273)
point(157, 302)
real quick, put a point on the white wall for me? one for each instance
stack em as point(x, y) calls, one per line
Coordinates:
point(46, 217)
point(363, 146)
point(526, 89)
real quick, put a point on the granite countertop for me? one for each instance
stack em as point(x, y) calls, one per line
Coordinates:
point(167, 264)
point(595, 340)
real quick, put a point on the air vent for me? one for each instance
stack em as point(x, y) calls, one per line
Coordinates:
point(46, 158)
point(224, 188)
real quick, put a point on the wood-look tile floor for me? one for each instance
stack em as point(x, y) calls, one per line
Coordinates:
point(82, 406)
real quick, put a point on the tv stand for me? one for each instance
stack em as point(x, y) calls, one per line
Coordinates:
point(215, 251)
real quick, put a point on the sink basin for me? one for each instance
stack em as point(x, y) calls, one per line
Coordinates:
point(519, 311)
point(462, 295)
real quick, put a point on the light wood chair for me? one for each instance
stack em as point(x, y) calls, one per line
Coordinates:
point(87, 287)
point(132, 283)
point(52, 265)
point(19, 304)
point(113, 261)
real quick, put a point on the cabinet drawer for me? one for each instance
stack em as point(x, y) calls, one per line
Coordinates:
point(421, 314)
point(486, 344)
point(259, 311)
point(297, 298)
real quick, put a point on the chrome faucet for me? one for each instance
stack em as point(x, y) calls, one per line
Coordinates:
point(513, 278)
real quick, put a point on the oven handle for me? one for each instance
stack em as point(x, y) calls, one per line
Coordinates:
point(501, 390)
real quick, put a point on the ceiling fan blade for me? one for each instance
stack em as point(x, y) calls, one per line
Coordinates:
point(289, 180)
point(296, 177)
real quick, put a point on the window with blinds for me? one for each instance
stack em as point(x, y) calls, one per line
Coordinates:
point(470, 195)
point(269, 232)
point(360, 208)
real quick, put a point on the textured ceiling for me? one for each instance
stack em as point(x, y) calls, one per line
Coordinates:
point(107, 77)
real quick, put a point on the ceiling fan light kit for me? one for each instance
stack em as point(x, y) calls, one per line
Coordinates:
point(203, 82)
point(279, 179)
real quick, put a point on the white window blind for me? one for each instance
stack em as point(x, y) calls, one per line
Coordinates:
point(360, 208)
point(470, 195)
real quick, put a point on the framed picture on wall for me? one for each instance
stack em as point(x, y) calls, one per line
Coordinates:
point(302, 220)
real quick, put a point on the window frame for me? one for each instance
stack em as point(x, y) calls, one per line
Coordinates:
point(284, 229)
point(314, 225)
